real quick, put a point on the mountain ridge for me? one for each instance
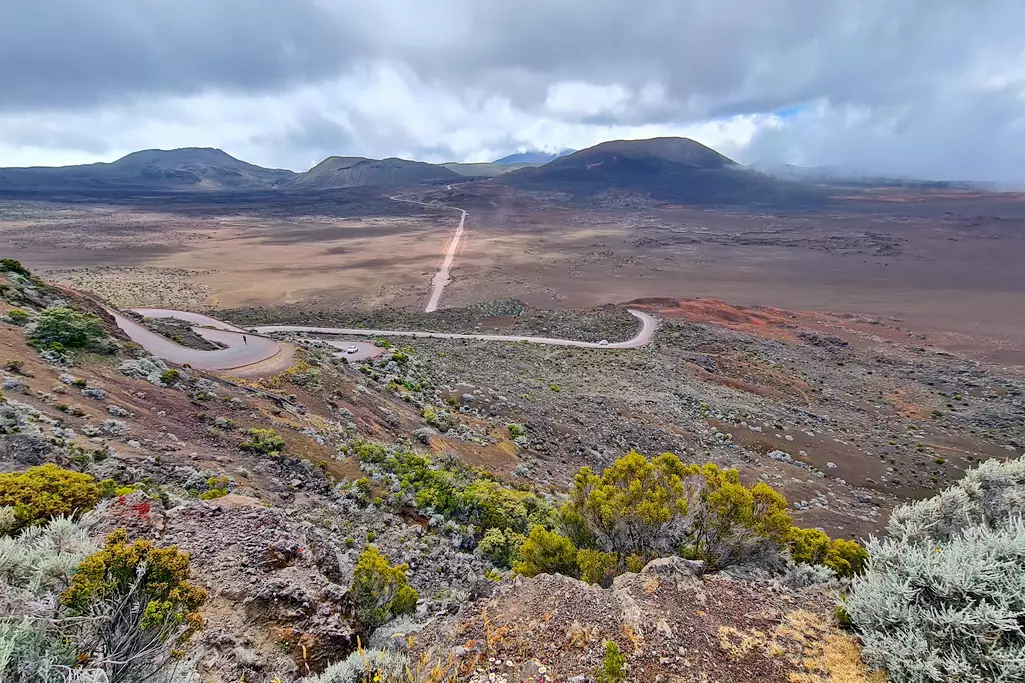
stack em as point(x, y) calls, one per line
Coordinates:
point(670, 169)
point(207, 168)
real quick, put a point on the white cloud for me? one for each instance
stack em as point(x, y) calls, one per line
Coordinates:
point(917, 87)
point(577, 100)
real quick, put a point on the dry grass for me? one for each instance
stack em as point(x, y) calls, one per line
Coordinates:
point(818, 651)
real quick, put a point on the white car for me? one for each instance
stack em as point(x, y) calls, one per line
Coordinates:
point(603, 342)
point(352, 349)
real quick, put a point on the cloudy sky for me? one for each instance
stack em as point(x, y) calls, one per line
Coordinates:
point(931, 88)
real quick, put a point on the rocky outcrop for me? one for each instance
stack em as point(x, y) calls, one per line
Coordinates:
point(672, 622)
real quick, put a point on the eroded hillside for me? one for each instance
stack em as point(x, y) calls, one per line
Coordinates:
point(311, 501)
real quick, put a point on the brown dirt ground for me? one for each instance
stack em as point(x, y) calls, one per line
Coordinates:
point(945, 264)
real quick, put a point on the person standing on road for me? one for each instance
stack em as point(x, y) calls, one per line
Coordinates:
point(244, 340)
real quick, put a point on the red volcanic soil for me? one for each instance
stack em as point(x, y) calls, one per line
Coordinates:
point(762, 321)
point(860, 331)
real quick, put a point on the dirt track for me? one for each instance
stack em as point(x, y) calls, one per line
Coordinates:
point(443, 276)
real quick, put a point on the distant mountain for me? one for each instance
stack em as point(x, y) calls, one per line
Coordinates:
point(676, 170)
point(189, 168)
point(532, 157)
point(484, 169)
point(361, 172)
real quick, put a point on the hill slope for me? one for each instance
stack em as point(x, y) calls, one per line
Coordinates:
point(188, 168)
point(361, 172)
point(670, 169)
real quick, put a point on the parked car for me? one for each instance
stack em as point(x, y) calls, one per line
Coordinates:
point(603, 342)
point(352, 349)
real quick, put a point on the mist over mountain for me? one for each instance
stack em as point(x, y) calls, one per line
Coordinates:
point(533, 157)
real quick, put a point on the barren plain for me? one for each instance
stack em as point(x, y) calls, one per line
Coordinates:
point(945, 265)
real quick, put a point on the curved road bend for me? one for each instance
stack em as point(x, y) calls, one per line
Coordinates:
point(261, 348)
point(236, 355)
point(648, 325)
point(443, 276)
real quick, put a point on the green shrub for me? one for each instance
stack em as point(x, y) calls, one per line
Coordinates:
point(943, 595)
point(442, 420)
point(309, 378)
point(515, 430)
point(546, 552)
point(613, 665)
point(170, 376)
point(216, 487)
point(144, 593)
point(811, 546)
point(14, 365)
point(263, 441)
point(655, 507)
point(111, 489)
point(11, 266)
point(68, 327)
point(635, 563)
point(45, 492)
point(501, 546)
point(490, 505)
point(379, 589)
point(597, 567)
point(458, 493)
point(635, 505)
point(17, 316)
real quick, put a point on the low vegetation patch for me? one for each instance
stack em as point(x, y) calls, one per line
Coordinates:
point(68, 328)
point(943, 596)
point(263, 442)
point(146, 598)
point(379, 589)
point(45, 492)
point(73, 611)
point(484, 508)
point(640, 509)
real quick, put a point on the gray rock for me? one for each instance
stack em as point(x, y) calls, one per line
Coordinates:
point(118, 411)
point(673, 566)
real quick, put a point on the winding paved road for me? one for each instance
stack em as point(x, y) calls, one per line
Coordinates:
point(648, 325)
point(237, 354)
point(257, 348)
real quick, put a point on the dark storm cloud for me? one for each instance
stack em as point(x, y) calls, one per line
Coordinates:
point(714, 58)
point(80, 52)
point(718, 58)
point(880, 82)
